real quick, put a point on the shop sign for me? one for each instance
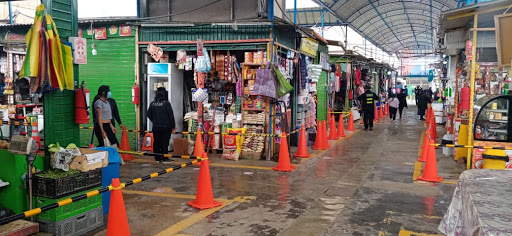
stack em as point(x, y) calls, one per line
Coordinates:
point(309, 47)
point(113, 30)
point(79, 50)
point(469, 50)
point(100, 33)
point(125, 30)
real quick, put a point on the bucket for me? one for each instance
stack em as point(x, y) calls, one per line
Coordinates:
point(495, 159)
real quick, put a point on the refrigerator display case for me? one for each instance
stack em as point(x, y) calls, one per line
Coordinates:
point(166, 75)
point(492, 121)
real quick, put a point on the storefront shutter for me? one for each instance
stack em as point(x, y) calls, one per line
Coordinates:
point(113, 66)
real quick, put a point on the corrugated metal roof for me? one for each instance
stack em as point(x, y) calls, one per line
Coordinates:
point(403, 27)
point(448, 24)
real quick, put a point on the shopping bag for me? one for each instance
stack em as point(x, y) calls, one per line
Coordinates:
point(283, 87)
point(265, 83)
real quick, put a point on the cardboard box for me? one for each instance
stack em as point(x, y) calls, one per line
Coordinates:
point(181, 146)
point(80, 162)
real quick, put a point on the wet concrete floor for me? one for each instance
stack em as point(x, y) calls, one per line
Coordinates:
point(363, 185)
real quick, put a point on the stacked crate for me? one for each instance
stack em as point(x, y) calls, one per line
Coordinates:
point(76, 218)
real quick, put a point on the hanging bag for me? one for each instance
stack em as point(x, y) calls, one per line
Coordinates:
point(265, 83)
point(283, 87)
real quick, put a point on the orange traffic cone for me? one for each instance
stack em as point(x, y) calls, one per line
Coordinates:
point(341, 128)
point(381, 111)
point(302, 149)
point(386, 109)
point(424, 150)
point(375, 114)
point(199, 146)
point(117, 219)
point(325, 140)
point(433, 127)
point(318, 139)
point(350, 126)
point(332, 130)
point(204, 194)
point(284, 156)
point(430, 169)
point(125, 145)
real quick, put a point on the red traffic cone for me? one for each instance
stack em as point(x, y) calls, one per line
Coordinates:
point(318, 139)
point(424, 149)
point(381, 111)
point(117, 219)
point(430, 169)
point(341, 128)
point(204, 194)
point(302, 149)
point(284, 156)
point(125, 145)
point(332, 130)
point(325, 141)
point(350, 126)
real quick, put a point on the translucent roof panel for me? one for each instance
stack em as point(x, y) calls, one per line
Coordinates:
point(397, 26)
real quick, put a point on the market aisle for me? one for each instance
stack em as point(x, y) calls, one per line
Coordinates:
point(362, 186)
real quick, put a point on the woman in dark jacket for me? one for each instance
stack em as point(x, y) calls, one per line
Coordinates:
point(421, 101)
point(402, 98)
point(161, 114)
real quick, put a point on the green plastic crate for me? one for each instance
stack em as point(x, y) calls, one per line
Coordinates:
point(67, 211)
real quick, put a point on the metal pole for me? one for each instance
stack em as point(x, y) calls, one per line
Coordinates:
point(456, 95)
point(472, 92)
point(295, 12)
point(322, 22)
point(10, 13)
point(365, 46)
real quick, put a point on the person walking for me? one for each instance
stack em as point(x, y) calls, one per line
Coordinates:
point(402, 98)
point(367, 100)
point(102, 113)
point(393, 106)
point(421, 101)
point(115, 112)
point(161, 114)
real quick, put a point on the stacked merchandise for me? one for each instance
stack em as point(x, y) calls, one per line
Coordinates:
point(257, 119)
point(253, 146)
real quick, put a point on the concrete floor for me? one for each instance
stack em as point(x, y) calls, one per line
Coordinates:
point(363, 185)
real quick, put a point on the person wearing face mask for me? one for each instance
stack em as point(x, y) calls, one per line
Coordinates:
point(115, 110)
point(103, 127)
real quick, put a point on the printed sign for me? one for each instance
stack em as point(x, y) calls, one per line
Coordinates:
point(155, 52)
point(113, 30)
point(79, 50)
point(469, 50)
point(125, 30)
point(100, 33)
point(309, 47)
point(478, 160)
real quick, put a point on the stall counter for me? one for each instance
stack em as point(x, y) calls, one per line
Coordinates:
point(12, 169)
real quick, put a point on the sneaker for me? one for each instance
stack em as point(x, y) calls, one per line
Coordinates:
point(422, 119)
point(166, 161)
point(371, 128)
point(366, 128)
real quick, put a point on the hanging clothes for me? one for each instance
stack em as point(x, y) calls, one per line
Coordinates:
point(358, 77)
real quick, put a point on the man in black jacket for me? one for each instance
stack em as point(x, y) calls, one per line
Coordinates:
point(367, 100)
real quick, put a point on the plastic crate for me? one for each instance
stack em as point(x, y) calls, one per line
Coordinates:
point(58, 188)
point(67, 211)
point(76, 225)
